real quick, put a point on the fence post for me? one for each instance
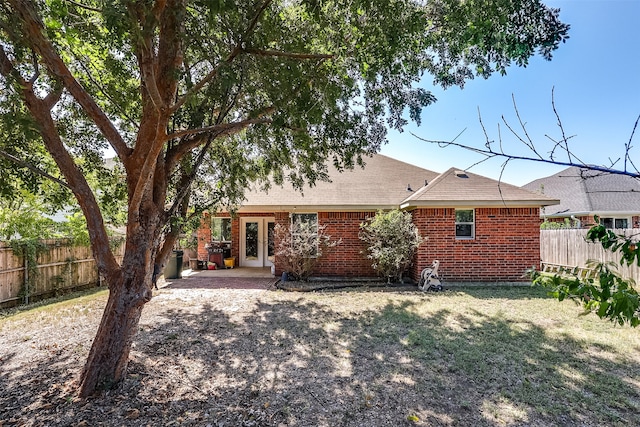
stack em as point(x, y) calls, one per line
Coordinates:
point(26, 279)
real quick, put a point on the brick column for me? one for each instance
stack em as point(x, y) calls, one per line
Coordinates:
point(204, 237)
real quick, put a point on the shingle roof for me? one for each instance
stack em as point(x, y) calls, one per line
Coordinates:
point(583, 191)
point(460, 188)
point(382, 184)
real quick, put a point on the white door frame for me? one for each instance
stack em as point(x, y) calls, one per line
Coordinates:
point(261, 259)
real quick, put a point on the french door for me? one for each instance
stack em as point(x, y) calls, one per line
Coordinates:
point(256, 241)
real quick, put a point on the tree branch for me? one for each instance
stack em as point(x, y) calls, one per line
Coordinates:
point(295, 55)
point(220, 129)
point(84, 6)
point(144, 50)
point(104, 92)
point(489, 153)
point(33, 168)
point(34, 32)
point(628, 146)
point(237, 50)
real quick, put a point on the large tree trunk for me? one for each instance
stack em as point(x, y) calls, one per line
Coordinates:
point(109, 355)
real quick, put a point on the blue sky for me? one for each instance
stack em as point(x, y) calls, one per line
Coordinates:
point(596, 75)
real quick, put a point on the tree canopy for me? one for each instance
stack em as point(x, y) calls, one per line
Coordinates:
point(228, 92)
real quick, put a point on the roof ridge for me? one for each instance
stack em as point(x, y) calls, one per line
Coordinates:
point(425, 188)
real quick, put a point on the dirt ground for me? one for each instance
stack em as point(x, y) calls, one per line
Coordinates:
point(235, 352)
point(234, 355)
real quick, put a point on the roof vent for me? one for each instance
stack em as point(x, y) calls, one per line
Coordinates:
point(426, 182)
point(461, 174)
point(409, 187)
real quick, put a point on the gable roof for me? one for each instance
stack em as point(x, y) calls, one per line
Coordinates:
point(381, 184)
point(583, 191)
point(455, 188)
point(386, 183)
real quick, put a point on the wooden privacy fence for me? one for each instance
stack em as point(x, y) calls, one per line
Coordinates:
point(59, 267)
point(571, 249)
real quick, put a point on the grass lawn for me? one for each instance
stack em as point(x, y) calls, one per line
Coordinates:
point(471, 356)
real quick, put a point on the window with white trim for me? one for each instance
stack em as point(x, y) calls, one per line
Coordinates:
point(304, 232)
point(465, 224)
point(615, 222)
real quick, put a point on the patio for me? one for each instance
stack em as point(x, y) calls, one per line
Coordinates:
point(232, 278)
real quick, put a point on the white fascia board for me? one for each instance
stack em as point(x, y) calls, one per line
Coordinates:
point(476, 204)
point(314, 208)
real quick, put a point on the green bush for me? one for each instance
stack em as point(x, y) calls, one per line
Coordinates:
point(393, 240)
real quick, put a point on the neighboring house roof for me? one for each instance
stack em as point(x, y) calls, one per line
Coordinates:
point(455, 188)
point(583, 192)
point(386, 183)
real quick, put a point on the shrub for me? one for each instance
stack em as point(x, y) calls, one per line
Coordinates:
point(299, 246)
point(393, 240)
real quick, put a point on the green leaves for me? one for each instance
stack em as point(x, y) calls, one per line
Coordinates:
point(607, 294)
point(393, 240)
point(627, 246)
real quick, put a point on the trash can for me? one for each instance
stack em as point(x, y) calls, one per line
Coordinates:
point(173, 269)
point(179, 261)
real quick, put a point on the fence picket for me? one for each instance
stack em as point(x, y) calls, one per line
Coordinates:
point(61, 267)
point(571, 248)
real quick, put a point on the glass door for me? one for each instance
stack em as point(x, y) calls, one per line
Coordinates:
point(271, 247)
point(256, 242)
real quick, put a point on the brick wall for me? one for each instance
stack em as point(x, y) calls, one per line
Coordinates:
point(506, 243)
point(349, 258)
point(204, 236)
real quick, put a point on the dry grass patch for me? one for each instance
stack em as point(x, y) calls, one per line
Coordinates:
point(477, 356)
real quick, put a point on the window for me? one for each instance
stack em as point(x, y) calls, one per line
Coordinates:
point(304, 232)
point(615, 222)
point(221, 229)
point(465, 225)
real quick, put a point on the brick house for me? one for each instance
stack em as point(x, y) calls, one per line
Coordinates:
point(584, 193)
point(479, 229)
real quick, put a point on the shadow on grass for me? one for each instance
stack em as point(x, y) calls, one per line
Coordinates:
point(490, 292)
point(302, 363)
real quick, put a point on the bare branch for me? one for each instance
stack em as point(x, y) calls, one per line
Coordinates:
point(564, 139)
point(529, 142)
point(504, 120)
point(489, 153)
point(628, 146)
point(484, 130)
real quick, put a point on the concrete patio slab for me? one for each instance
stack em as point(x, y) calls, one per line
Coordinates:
point(234, 278)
